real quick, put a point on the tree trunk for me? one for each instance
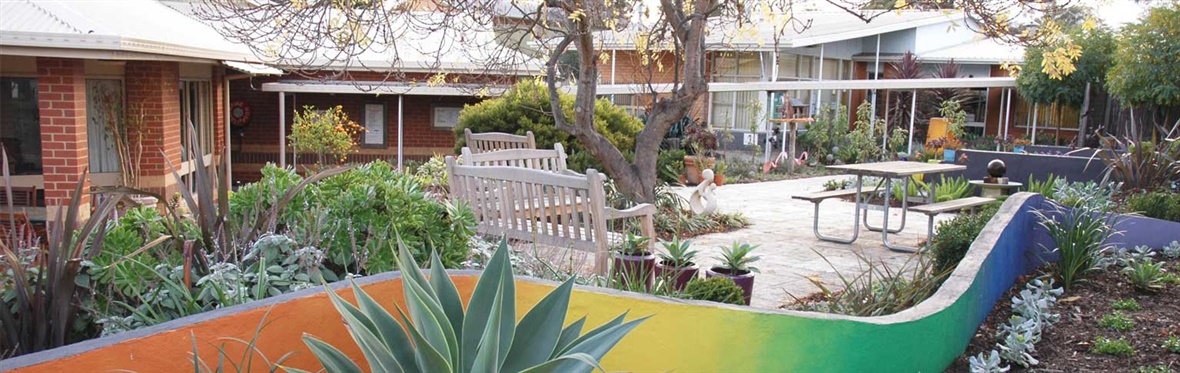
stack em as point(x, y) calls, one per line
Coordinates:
point(1083, 127)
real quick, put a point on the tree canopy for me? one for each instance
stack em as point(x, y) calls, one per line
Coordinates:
point(1097, 49)
point(1146, 68)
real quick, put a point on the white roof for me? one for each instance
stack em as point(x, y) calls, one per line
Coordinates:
point(825, 27)
point(979, 50)
point(120, 28)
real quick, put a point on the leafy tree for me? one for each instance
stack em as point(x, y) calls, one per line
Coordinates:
point(1097, 49)
point(1146, 68)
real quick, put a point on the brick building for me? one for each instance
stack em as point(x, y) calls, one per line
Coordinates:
point(70, 69)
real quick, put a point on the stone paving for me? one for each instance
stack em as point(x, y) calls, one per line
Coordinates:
point(782, 229)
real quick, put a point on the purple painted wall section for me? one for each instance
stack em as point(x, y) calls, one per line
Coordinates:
point(1020, 166)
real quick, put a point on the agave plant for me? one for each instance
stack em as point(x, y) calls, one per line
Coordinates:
point(440, 337)
point(678, 253)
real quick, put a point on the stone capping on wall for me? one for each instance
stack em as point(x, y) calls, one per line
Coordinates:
point(951, 290)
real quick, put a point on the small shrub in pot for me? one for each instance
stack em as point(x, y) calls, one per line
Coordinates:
point(735, 265)
point(714, 289)
point(632, 262)
point(676, 265)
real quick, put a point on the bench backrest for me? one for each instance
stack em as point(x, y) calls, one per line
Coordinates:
point(535, 205)
point(492, 141)
point(552, 160)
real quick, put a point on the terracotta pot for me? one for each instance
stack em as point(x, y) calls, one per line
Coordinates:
point(633, 268)
point(677, 277)
point(693, 171)
point(145, 201)
point(718, 179)
point(744, 280)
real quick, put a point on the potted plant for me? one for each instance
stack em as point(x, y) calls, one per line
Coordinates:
point(719, 173)
point(1019, 144)
point(632, 262)
point(932, 153)
point(948, 149)
point(700, 142)
point(735, 265)
point(676, 266)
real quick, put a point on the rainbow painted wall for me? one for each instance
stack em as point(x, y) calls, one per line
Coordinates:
point(683, 336)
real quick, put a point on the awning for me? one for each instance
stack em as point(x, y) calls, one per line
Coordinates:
point(385, 88)
point(252, 68)
point(810, 85)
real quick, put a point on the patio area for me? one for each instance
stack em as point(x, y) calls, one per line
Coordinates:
point(782, 229)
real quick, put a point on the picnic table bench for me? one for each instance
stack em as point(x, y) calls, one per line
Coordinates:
point(955, 205)
point(544, 207)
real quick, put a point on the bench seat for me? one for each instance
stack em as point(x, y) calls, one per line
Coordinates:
point(952, 205)
point(838, 193)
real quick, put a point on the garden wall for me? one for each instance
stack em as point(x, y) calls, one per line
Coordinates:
point(1020, 166)
point(681, 335)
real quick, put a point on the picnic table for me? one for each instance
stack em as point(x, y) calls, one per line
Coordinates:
point(887, 171)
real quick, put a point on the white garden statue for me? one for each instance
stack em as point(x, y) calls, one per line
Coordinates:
point(703, 199)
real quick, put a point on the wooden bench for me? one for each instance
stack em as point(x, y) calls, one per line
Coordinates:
point(818, 197)
point(492, 141)
point(544, 207)
point(933, 209)
point(552, 160)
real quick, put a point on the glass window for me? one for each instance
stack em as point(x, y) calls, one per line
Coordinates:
point(196, 113)
point(104, 111)
point(20, 125)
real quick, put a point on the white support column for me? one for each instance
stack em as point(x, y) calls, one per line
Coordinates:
point(819, 93)
point(913, 112)
point(1008, 113)
point(400, 137)
point(282, 130)
point(876, 74)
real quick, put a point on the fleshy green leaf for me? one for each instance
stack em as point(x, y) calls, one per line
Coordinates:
point(390, 330)
point(598, 345)
point(551, 366)
point(430, 320)
point(487, 359)
point(448, 295)
point(568, 335)
point(593, 332)
point(480, 306)
point(538, 332)
point(364, 333)
point(428, 359)
point(333, 360)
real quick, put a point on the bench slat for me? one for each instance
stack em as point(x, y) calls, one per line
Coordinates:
point(952, 205)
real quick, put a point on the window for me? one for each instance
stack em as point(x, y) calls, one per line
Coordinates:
point(104, 104)
point(196, 113)
point(20, 125)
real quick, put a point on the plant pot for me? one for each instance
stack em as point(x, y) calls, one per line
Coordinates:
point(718, 179)
point(1018, 149)
point(677, 277)
point(744, 280)
point(692, 170)
point(632, 269)
point(948, 155)
point(145, 201)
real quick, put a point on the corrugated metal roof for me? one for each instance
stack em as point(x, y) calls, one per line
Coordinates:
point(137, 26)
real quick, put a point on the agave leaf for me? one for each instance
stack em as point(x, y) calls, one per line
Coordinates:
point(448, 295)
point(430, 320)
point(487, 359)
point(598, 345)
point(568, 335)
point(410, 269)
point(551, 366)
point(364, 333)
point(333, 360)
point(480, 306)
point(593, 332)
point(428, 359)
point(392, 333)
point(538, 332)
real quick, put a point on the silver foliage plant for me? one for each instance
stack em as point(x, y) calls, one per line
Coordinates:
point(440, 336)
point(1031, 315)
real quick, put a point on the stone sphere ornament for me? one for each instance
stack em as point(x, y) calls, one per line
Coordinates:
point(997, 168)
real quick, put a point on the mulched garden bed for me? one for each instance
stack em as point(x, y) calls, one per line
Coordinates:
point(1065, 347)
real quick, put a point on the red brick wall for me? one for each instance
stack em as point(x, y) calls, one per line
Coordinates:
point(61, 92)
point(156, 86)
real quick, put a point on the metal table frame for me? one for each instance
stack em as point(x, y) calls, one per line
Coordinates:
point(887, 171)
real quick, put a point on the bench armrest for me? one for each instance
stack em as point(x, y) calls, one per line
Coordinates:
point(571, 173)
point(639, 210)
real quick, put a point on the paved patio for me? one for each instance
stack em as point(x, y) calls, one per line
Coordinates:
point(782, 230)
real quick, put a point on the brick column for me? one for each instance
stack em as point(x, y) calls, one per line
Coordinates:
point(155, 86)
point(61, 96)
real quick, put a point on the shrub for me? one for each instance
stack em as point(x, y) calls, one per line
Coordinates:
point(878, 290)
point(715, 289)
point(1044, 187)
point(670, 165)
point(433, 175)
point(525, 107)
point(826, 134)
point(1117, 321)
point(324, 133)
point(954, 237)
point(363, 209)
point(1159, 205)
point(952, 188)
point(1145, 166)
point(1126, 305)
point(1079, 234)
point(1145, 274)
point(250, 201)
point(1112, 347)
